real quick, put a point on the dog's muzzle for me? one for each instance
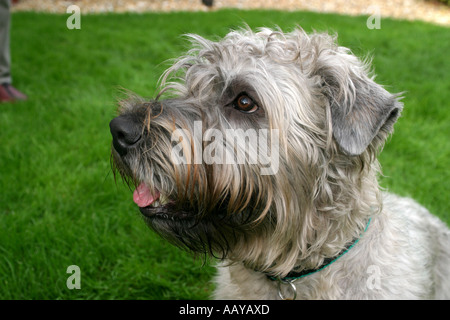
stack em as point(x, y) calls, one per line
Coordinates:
point(126, 133)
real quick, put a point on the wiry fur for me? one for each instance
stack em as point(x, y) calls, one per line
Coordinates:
point(332, 119)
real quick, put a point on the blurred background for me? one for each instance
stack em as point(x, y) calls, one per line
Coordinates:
point(59, 202)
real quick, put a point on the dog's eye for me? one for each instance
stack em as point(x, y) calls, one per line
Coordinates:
point(245, 104)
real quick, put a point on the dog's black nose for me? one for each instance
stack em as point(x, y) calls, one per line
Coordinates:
point(125, 132)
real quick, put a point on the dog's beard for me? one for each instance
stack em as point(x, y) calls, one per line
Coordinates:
point(202, 221)
point(190, 225)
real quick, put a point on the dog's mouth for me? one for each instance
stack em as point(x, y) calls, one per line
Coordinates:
point(157, 205)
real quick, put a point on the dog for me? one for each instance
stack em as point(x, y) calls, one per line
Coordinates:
point(261, 150)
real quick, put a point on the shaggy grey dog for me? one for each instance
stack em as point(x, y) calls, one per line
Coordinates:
point(260, 150)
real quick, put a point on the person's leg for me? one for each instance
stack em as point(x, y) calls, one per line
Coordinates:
point(5, 57)
point(7, 91)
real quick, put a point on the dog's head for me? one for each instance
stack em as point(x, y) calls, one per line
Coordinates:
point(258, 147)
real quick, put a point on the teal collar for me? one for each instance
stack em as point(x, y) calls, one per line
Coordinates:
point(294, 275)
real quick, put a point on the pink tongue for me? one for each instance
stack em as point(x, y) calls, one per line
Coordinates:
point(142, 196)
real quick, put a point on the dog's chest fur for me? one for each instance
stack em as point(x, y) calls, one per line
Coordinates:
point(398, 257)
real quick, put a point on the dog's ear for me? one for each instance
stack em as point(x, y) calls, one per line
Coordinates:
point(362, 111)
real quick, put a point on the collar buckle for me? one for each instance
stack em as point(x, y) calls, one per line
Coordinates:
point(291, 289)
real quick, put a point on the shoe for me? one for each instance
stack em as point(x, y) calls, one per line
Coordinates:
point(4, 95)
point(9, 93)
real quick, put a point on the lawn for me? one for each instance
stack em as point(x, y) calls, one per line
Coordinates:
point(59, 204)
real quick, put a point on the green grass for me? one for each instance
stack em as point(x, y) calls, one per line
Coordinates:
point(59, 204)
